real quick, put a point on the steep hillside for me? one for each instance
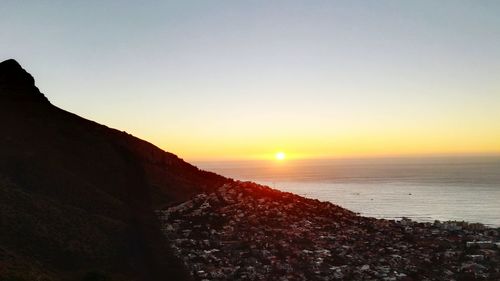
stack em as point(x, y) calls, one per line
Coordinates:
point(77, 199)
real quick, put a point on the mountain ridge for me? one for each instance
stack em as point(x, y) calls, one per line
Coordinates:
point(17, 83)
point(72, 188)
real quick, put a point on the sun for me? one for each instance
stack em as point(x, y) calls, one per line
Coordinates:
point(280, 155)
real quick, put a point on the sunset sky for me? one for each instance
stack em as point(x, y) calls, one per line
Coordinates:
point(245, 79)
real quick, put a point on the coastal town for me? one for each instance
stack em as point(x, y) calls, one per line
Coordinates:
point(246, 231)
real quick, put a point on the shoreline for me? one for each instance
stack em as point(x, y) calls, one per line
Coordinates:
point(247, 231)
point(457, 188)
point(353, 196)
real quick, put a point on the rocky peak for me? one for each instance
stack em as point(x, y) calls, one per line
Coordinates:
point(16, 83)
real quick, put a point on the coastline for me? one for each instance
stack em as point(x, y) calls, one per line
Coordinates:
point(419, 202)
point(247, 231)
point(424, 189)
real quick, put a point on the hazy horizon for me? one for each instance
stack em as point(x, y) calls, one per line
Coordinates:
point(246, 79)
point(353, 157)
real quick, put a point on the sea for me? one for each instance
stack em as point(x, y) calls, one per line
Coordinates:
point(457, 188)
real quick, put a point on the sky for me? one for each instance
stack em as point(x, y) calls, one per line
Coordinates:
point(211, 80)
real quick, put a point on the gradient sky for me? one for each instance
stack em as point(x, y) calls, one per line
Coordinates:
point(244, 79)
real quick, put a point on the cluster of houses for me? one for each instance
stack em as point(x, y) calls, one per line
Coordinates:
point(245, 231)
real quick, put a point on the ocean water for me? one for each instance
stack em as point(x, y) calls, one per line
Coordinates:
point(423, 189)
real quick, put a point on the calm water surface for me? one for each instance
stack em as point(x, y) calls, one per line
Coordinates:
point(424, 189)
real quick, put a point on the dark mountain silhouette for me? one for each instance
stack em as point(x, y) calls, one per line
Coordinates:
point(77, 198)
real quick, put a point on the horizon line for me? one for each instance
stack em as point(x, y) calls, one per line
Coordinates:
point(354, 157)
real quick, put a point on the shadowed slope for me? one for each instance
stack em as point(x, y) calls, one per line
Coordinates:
point(77, 197)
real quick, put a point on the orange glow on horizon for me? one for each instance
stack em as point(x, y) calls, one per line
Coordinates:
point(195, 145)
